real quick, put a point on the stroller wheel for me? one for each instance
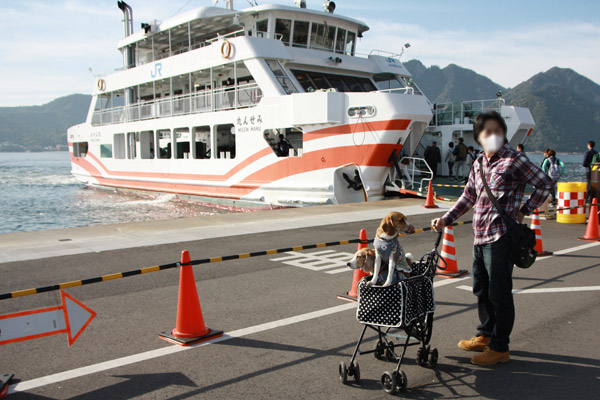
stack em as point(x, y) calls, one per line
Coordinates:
point(355, 371)
point(343, 372)
point(378, 350)
point(432, 358)
point(393, 382)
point(422, 356)
point(388, 382)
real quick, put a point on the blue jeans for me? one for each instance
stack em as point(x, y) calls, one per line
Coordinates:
point(492, 284)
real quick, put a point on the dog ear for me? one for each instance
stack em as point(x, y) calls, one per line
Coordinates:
point(388, 225)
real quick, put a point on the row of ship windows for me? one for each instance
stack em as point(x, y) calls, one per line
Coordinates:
point(183, 143)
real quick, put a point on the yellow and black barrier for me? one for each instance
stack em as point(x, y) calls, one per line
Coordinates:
point(447, 185)
point(155, 268)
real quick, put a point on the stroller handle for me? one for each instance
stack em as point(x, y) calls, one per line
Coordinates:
point(439, 239)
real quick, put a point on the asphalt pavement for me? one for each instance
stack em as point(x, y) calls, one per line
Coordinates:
point(285, 329)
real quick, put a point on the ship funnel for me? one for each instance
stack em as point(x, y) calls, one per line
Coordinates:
point(127, 17)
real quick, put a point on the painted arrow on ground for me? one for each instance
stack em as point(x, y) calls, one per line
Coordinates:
point(72, 317)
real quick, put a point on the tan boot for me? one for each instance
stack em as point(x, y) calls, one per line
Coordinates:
point(476, 343)
point(490, 357)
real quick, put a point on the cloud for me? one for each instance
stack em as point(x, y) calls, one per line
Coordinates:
point(507, 57)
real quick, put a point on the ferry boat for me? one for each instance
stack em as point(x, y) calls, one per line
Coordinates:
point(268, 105)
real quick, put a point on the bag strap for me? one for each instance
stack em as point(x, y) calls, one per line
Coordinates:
point(493, 198)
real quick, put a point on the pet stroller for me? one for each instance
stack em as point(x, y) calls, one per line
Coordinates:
point(409, 306)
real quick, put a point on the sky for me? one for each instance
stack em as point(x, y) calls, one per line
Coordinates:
point(48, 46)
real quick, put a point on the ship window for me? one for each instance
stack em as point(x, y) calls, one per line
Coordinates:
point(147, 145)
point(289, 146)
point(283, 28)
point(321, 36)
point(202, 142)
point(261, 27)
point(225, 140)
point(119, 146)
point(283, 79)
point(131, 143)
point(340, 41)
point(312, 81)
point(80, 149)
point(163, 138)
point(350, 43)
point(106, 150)
point(182, 142)
point(300, 34)
point(161, 45)
point(387, 81)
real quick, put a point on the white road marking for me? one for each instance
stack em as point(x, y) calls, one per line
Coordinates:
point(545, 290)
point(569, 250)
point(317, 260)
point(449, 281)
point(165, 351)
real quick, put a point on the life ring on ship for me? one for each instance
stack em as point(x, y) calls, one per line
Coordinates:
point(101, 84)
point(226, 49)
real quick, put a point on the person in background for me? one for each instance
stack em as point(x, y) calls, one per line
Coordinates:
point(507, 173)
point(587, 160)
point(460, 151)
point(450, 158)
point(283, 146)
point(521, 148)
point(545, 157)
point(471, 157)
point(554, 168)
point(433, 157)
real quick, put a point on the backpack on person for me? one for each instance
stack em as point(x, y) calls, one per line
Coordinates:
point(596, 158)
point(554, 171)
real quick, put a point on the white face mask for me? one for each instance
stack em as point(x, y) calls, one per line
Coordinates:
point(492, 143)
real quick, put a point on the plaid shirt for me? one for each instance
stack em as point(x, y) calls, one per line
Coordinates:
point(506, 172)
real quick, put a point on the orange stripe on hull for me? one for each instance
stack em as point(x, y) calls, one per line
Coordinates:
point(366, 155)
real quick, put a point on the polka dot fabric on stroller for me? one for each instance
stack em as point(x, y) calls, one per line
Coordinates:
point(407, 306)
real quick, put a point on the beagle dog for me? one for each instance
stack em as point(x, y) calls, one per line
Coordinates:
point(363, 259)
point(389, 254)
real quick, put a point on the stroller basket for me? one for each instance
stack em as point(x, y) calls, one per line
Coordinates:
point(395, 306)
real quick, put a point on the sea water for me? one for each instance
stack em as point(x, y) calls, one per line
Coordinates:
point(37, 191)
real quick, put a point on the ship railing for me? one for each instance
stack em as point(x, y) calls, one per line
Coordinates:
point(418, 171)
point(227, 98)
point(451, 114)
point(405, 90)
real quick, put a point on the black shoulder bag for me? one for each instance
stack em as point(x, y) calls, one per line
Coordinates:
point(521, 238)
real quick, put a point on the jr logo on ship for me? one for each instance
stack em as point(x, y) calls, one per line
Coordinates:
point(157, 70)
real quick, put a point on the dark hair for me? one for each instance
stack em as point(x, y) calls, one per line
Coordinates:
point(482, 118)
point(451, 144)
point(520, 146)
point(551, 153)
point(434, 142)
point(470, 148)
point(461, 139)
point(592, 144)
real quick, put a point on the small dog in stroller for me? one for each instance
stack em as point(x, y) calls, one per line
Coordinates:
point(388, 263)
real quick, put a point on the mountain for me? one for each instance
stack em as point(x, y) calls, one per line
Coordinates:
point(451, 83)
point(565, 106)
point(37, 127)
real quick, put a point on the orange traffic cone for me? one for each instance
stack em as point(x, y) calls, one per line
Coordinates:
point(429, 202)
point(447, 266)
point(4, 381)
point(190, 327)
point(537, 228)
point(591, 232)
point(352, 294)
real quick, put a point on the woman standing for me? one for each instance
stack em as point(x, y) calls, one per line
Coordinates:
point(554, 168)
point(450, 158)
